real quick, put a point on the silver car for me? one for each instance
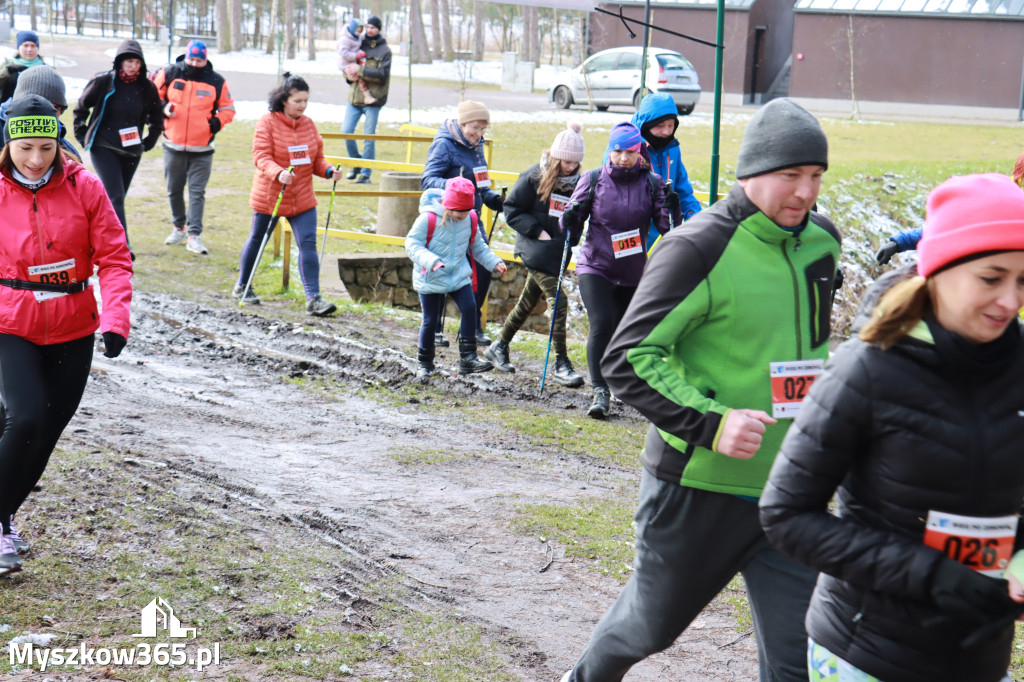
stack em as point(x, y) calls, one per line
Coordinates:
point(613, 77)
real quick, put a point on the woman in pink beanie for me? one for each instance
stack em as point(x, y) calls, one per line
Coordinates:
point(916, 429)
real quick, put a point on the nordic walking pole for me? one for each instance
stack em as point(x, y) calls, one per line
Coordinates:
point(495, 221)
point(266, 237)
point(330, 207)
point(554, 312)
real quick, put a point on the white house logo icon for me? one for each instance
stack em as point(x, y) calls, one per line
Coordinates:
point(159, 614)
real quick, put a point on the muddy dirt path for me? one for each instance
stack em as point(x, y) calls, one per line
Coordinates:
point(203, 390)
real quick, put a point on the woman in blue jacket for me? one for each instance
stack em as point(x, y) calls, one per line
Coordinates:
point(438, 244)
point(657, 120)
point(458, 151)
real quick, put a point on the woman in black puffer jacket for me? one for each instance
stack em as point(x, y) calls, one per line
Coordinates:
point(916, 424)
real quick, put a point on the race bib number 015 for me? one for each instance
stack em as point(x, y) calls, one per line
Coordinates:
point(790, 383)
point(982, 543)
point(627, 243)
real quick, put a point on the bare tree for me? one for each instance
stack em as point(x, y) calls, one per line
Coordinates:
point(223, 32)
point(273, 26)
point(235, 14)
point(478, 30)
point(32, 14)
point(420, 51)
point(289, 24)
point(435, 28)
point(446, 30)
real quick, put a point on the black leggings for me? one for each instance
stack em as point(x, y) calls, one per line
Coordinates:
point(40, 387)
point(115, 170)
point(606, 304)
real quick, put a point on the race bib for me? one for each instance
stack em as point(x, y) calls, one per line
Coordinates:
point(791, 381)
point(482, 177)
point(982, 543)
point(627, 244)
point(298, 155)
point(52, 273)
point(130, 136)
point(557, 204)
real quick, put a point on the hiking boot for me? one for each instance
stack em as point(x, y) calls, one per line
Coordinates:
point(498, 354)
point(481, 337)
point(195, 245)
point(177, 236)
point(599, 408)
point(425, 356)
point(351, 175)
point(318, 307)
point(363, 179)
point(565, 374)
point(20, 544)
point(440, 341)
point(469, 362)
point(250, 297)
point(10, 562)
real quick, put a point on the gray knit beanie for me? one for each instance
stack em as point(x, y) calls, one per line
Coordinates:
point(44, 81)
point(782, 134)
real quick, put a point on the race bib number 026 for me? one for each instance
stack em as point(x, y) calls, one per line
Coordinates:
point(790, 383)
point(982, 543)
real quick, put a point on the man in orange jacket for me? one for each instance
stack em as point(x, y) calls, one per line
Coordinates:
point(197, 104)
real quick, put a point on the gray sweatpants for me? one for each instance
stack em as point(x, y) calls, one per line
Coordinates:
point(193, 168)
point(690, 543)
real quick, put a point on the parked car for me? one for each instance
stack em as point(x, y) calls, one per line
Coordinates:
point(613, 77)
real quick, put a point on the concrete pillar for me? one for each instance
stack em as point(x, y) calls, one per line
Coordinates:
point(395, 215)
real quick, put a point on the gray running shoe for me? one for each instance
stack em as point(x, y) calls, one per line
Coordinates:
point(20, 544)
point(10, 562)
point(318, 307)
point(250, 297)
point(195, 244)
point(177, 236)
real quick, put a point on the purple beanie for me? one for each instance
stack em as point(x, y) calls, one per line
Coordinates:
point(195, 48)
point(624, 136)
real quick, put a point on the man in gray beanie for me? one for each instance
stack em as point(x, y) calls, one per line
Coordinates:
point(726, 331)
point(43, 80)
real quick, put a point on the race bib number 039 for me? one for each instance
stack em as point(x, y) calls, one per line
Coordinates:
point(982, 543)
point(790, 383)
point(52, 273)
point(627, 243)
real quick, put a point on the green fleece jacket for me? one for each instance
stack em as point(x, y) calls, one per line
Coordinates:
point(723, 296)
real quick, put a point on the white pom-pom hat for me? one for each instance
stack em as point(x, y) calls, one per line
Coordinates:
point(568, 144)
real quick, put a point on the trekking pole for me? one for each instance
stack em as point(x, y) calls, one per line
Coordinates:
point(495, 221)
point(554, 312)
point(266, 237)
point(330, 207)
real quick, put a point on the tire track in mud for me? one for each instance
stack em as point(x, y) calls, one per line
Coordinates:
point(204, 390)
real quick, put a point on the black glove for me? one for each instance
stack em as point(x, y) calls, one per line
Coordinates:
point(887, 251)
point(972, 599)
point(571, 216)
point(671, 201)
point(494, 202)
point(214, 125)
point(113, 344)
point(149, 143)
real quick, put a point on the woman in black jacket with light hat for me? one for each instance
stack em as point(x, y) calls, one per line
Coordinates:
point(917, 429)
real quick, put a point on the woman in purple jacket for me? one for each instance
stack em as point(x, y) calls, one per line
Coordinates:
point(625, 198)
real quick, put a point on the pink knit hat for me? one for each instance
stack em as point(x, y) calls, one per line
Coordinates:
point(970, 216)
point(568, 144)
point(460, 195)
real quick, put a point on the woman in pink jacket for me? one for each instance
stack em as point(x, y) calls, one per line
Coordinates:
point(58, 227)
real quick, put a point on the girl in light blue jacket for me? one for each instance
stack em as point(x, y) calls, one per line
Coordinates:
point(446, 245)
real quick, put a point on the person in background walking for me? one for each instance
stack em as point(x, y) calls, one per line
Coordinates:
point(915, 430)
point(43, 80)
point(287, 137)
point(532, 209)
point(444, 234)
point(197, 104)
point(375, 75)
point(620, 199)
point(657, 121)
point(114, 109)
point(27, 57)
point(458, 151)
point(58, 227)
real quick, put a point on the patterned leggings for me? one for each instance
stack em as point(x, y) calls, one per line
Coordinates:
point(538, 284)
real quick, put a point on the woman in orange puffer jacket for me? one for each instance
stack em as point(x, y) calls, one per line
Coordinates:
point(58, 226)
point(285, 138)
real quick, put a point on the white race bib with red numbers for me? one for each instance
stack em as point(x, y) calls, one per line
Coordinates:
point(791, 380)
point(627, 243)
point(52, 273)
point(298, 155)
point(557, 204)
point(130, 136)
point(982, 543)
point(482, 177)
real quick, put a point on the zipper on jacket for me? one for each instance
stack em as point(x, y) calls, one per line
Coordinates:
point(796, 298)
point(979, 458)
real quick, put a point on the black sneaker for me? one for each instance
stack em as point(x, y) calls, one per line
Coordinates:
point(363, 179)
point(565, 374)
point(440, 341)
point(599, 408)
point(318, 307)
point(351, 175)
point(250, 297)
point(482, 339)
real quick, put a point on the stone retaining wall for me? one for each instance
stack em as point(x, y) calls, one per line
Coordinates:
point(387, 278)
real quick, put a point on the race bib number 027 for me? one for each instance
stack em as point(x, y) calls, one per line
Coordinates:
point(791, 382)
point(982, 543)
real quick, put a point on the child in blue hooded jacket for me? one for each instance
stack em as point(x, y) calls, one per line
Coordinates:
point(444, 234)
point(657, 120)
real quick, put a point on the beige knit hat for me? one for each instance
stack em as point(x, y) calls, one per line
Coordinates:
point(473, 111)
point(568, 144)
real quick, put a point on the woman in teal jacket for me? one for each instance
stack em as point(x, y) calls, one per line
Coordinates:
point(445, 231)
